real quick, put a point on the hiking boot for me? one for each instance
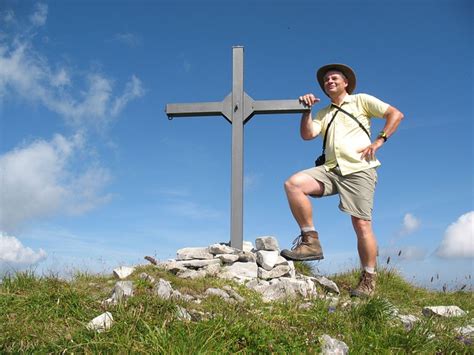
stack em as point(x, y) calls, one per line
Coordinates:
point(305, 247)
point(366, 286)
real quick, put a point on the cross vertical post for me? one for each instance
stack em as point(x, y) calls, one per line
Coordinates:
point(237, 108)
point(237, 185)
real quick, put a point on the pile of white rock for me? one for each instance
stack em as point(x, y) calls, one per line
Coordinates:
point(260, 268)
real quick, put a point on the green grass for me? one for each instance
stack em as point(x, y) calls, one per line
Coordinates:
point(49, 315)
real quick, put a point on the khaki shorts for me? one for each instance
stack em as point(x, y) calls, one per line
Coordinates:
point(356, 190)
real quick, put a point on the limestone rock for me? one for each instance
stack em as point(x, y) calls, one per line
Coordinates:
point(101, 323)
point(279, 271)
point(145, 277)
point(408, 321)
point(267, 258)
point(174, 267)
point(333, 302)
point(247, 257)
point(182, 314)
point(467, 331)
point(232, 293)
point(217, 292)
point(239, 271)
point(266, 243)
point(282, 261)
point(291, 264)
point(123, 272)
point(331, 346)
point(197, 264)
point(228, 258)
point(283, 288)
point(213, 269)
point(273, 292)
point(151, 260)
point(304, 287)
point(256, 282)
point(443, 311)
point(176, 295)
point(191, 274)
point(163, 289)
point(193, 253)
point(327, 284)
point(123, 290)
point(247, 246)
point(187, 298)
point(222, 249)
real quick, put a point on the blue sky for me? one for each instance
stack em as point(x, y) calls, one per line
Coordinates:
point(94, 175)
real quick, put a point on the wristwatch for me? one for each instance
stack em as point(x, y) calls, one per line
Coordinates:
point(383, 135)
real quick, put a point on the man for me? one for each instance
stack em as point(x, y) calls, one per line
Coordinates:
point(348, 170)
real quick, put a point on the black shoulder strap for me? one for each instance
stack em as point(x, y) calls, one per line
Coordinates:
point(329, 125)
point(355, 119)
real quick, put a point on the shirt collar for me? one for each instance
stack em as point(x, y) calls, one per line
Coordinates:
point(347, 99)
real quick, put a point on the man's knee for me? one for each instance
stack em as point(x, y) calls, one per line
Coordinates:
point(301, 182)
point(294, 183)
point(362, 227)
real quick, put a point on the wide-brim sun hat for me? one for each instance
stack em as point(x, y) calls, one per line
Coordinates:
point(344, 69)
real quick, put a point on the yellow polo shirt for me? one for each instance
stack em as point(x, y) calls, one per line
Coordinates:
point(345, 137)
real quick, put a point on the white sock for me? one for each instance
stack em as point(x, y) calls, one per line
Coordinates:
point(308, 229)
point(370, 270)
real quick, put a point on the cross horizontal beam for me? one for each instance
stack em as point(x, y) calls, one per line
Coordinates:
point(224, 108)
point(253, 107)
point(194, 109)
point(278, 106)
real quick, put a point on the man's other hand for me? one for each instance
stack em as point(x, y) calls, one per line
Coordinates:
point(368, 153)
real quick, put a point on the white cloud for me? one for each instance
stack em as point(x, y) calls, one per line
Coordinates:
point(26, 73)
point(133, 89)
point(37, 181)
point(7, 16)
point(130, 39)
point(458, 241)
point(44, 178)
point(39, 16)
point(60, 78)
point(15, 256)
point(410, 224)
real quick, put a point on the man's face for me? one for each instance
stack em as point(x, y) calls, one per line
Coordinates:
point(335, 83)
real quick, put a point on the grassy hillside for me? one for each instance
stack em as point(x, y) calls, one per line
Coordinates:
point(47, 314)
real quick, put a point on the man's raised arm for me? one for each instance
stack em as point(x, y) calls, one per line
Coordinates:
point(307, 129)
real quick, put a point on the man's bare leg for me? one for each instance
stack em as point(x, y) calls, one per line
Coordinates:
point(297, 188)
point(366, 242)
point(367, 247)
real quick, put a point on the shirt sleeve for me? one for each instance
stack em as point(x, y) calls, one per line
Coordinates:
point(317, 122)
point(372, 106)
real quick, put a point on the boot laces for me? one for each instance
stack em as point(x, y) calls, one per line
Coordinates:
point(366, 281)
point(298, 241)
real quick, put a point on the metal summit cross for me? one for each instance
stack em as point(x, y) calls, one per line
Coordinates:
point(237, 108)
